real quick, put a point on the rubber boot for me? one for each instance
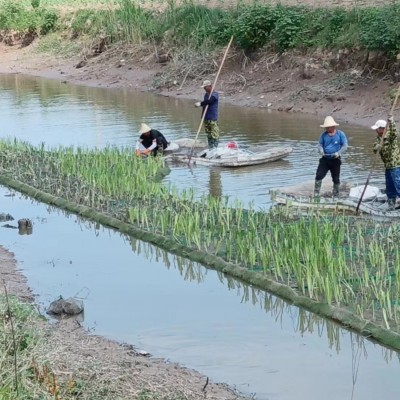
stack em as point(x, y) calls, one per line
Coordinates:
point(391, 204)
point(336, 190)
point(317, 190)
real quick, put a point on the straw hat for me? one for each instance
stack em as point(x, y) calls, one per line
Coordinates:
point(329, 121)
point(379, 124)
point(206, 83)
point(144, 128)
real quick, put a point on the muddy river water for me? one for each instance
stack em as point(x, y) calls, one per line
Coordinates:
point(136, 293)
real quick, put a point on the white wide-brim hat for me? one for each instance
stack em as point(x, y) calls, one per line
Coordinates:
point(329, 121)
point(144, 128)
point(379, 124)
point(206, 83)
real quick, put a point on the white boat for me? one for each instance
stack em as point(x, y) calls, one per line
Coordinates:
point(172, 146)
point(229, 155)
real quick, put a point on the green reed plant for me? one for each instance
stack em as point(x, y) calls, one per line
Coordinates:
point(339, 260)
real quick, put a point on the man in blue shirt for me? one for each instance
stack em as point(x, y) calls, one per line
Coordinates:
point(332, 144)
point(211, 117)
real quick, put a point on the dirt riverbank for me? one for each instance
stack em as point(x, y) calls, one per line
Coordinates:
point(342, 84)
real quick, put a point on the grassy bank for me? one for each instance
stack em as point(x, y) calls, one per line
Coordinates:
point(42, 361)
point(341, 261)
point(254, 25)
point(19, 339)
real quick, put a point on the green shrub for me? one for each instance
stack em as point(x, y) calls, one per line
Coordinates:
point(254, 25)
point(13, 16)
point(289, 23)
point(48, 21)
point(380, 29)
point(224, 28)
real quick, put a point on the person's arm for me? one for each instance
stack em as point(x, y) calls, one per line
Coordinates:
point(392, 135)
point(377, 145)
point(208, 102)
point(153, 145)
point(321, 145)
point(344, 143)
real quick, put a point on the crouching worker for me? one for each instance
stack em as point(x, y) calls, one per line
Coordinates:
point(150, 141)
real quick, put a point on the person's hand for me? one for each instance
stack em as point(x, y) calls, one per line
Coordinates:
point(336, 155)
point(377, 147)
point(137, 152)
point(198, 104)
point(147, 151)
point(390, 118)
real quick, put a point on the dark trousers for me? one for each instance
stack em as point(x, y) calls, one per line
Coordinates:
point(392, 182)
point(329, 164)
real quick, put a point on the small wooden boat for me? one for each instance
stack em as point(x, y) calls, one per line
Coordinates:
point(229, 155)
point(377, 206)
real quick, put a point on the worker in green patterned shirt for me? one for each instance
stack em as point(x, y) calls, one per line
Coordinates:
point(387, 146)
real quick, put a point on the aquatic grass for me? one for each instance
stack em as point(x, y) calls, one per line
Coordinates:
point(339, 260)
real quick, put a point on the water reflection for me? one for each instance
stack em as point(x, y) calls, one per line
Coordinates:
point(303, 321)
point(215, 182)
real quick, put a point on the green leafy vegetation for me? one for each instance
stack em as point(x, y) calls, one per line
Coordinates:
point(16, 17)
point(340, 261)
point(253, 25)
point(18, 339)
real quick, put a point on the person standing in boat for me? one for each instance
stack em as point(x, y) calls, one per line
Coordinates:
point(387, 146)
point(211, 118)
point(150, 141)
point(332, 144)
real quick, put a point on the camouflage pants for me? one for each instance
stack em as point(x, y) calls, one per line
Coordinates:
point(212, 131)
